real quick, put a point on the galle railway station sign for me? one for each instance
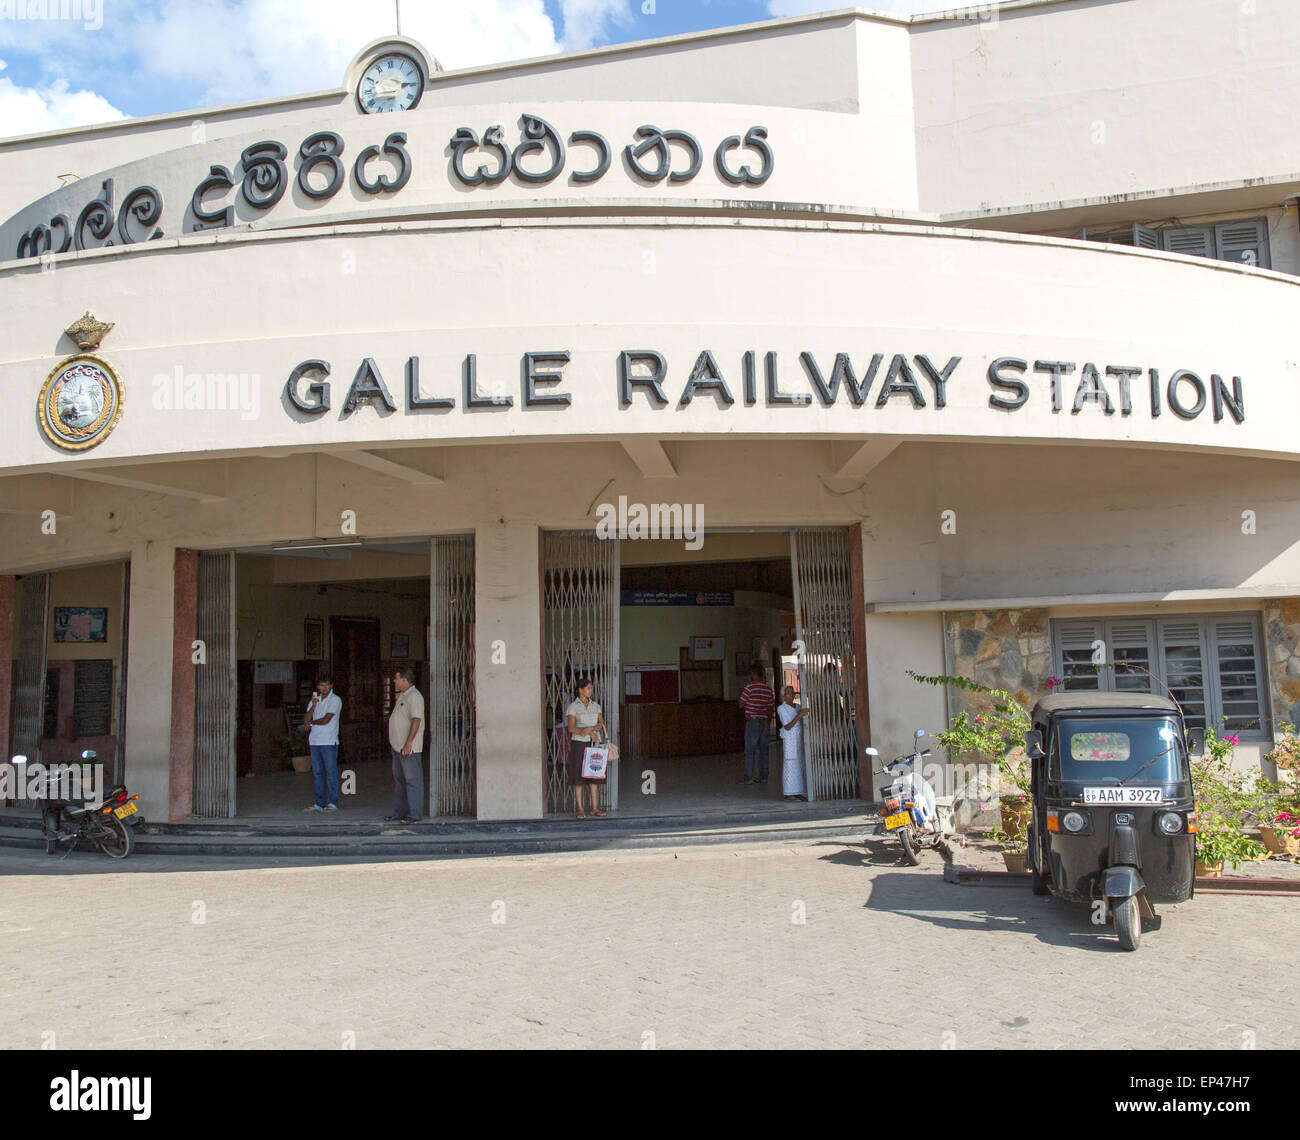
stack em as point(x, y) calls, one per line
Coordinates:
point(642, 377)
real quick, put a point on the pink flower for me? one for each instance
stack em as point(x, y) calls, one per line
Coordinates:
point(979, 720)
point(1284, 816)
point(1231, 740)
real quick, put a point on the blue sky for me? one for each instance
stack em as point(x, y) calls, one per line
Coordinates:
point(120, 58)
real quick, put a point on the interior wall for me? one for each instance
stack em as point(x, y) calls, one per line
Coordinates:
point(655, 634)
point(270, 626)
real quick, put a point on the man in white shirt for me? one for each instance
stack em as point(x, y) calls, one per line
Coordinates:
point(322, 725)
point(406, 738)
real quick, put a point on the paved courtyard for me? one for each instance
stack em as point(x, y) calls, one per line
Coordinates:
point(816, 945)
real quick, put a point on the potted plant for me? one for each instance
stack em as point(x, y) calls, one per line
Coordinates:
point(1227, 803)
point(293, 752)
point(1014, 846)
point(995, 733)
point(1280, 829)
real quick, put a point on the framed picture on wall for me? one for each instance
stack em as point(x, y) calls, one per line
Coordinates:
point(80, 623)
point(313, 638)
point(399, 645)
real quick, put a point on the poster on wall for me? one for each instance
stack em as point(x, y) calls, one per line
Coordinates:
point(708, 648)
point(313, 638)
point(80, 623)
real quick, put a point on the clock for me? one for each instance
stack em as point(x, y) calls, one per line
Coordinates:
point(392, 82)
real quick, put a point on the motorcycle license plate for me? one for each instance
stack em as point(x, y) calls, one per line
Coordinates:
point(901, 819)
point(1123, 795)
point(125, 810)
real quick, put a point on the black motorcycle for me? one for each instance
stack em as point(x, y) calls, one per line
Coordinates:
point(109, 824)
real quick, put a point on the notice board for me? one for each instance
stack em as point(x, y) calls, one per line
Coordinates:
point(650, 684)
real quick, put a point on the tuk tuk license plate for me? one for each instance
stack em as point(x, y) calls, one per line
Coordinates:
point(125, 810)
point(901, 819)
point(1123, 795)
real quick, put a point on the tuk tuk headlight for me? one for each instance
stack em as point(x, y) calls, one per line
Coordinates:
point(1170, 823)
point(1074, 822)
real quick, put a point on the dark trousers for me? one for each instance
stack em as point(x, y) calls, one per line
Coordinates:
point(756, 732)
point(408, 784)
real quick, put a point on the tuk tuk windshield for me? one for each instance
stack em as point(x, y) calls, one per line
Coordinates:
point(1145, 750)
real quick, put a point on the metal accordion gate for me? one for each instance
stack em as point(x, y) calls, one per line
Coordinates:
point(215, 687)
point(452, 773)
point(823, 604)
point(580, 611)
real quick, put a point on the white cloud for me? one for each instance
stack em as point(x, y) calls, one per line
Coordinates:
point(586, 21)
point(256, 49)
point(32, 110)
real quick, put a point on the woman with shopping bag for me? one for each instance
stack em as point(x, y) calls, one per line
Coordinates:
point(586, 730)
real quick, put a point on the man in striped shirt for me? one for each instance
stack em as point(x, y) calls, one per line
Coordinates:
point(757, 703)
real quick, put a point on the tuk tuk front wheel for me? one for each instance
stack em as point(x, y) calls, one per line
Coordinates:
point(909, 851)
point(1128, 922)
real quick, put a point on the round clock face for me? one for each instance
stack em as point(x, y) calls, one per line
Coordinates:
point(391, 83)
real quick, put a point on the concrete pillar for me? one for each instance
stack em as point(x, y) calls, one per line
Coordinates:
point(184, 631)
point(508, 616)
point(149, 677)
point(7, 582)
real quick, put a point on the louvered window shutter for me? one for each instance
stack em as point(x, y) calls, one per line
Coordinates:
point(1182, 655)
point(1236, 673)
point(1129, 644)
point(1144, 238)
point(1195, 240)
point(1244, 241)
point(1073, 651)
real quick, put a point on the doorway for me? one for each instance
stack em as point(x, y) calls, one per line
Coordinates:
point(274, 619)
point(669, 635)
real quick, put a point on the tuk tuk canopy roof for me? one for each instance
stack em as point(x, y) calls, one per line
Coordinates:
point(1100, 703)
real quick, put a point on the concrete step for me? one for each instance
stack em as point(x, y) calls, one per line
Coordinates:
point(444, 839)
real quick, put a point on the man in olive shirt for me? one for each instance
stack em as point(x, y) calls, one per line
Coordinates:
point(406, 736)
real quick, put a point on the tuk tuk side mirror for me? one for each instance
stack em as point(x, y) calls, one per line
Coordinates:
point(1034, 744)
point(1195, 740)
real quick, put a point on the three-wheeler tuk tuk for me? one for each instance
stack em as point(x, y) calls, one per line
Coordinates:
point(1114, 818)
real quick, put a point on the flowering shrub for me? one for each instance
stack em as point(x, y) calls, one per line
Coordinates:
point(996, 735)
point(1227, 802)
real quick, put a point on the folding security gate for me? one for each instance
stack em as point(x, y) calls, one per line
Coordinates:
point(215, 687)
point(452, 774)
point(29, 695)
point(823, 605)
point(580, 610)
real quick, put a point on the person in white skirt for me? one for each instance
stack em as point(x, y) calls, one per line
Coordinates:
point(792, 782)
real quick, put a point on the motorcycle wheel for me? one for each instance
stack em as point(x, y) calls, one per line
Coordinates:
point(909, 850)
point(117, 841)
point(1128, 923)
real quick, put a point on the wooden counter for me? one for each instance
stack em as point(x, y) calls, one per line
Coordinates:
point(690, 728)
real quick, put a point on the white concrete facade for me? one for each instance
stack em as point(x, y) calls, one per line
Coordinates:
point(928, 181)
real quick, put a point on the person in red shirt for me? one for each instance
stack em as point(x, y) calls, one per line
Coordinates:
point(757, 703)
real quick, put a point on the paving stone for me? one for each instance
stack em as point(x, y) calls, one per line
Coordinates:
point(692, 948)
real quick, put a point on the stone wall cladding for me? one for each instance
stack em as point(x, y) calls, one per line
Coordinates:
point(1282, 642)
point(1003, 649)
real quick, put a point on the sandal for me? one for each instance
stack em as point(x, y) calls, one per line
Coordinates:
point(597, 811)
point(581, 814)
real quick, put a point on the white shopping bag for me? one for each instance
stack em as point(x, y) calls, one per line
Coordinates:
point(595, 763)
